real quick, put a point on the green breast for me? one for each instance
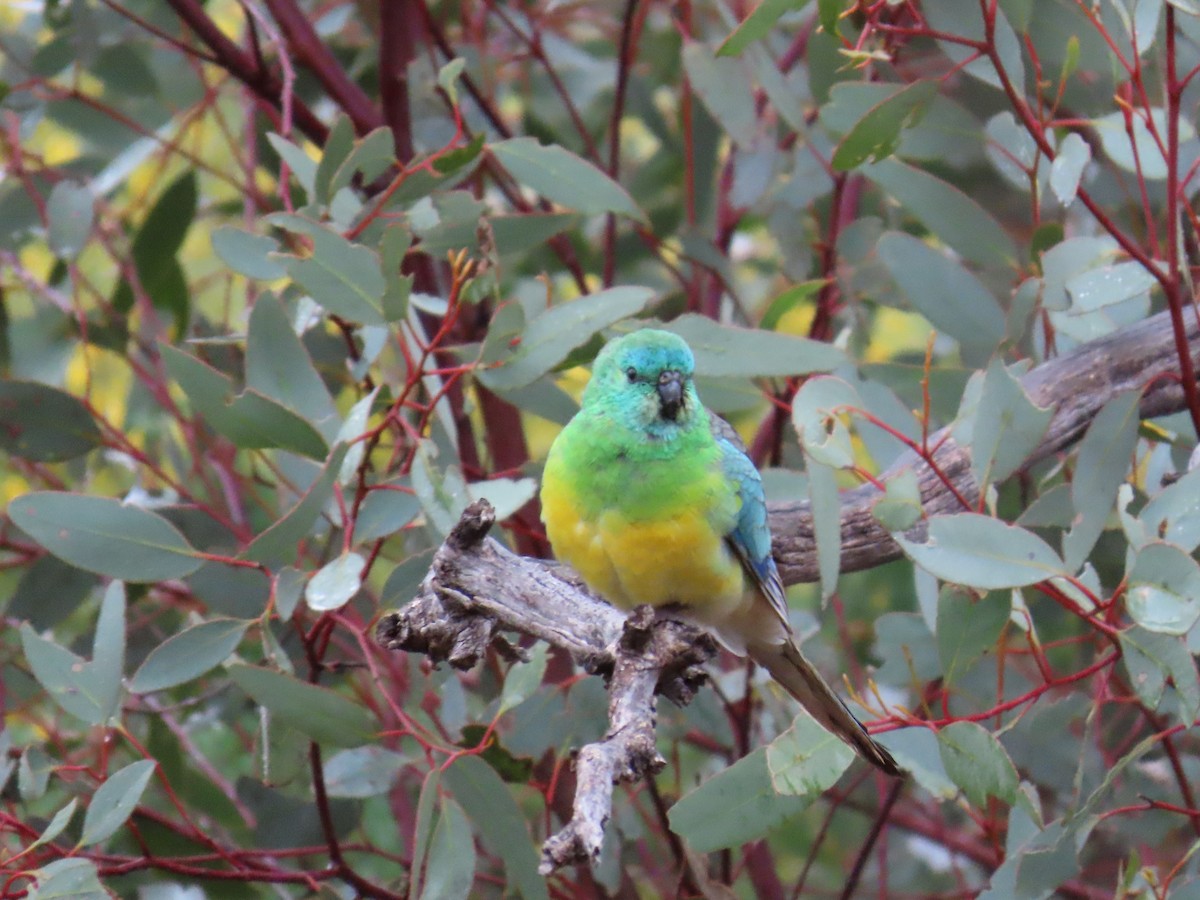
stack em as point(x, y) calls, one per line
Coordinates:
point(645, 478)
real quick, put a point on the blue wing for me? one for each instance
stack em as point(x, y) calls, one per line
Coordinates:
point(750, 538)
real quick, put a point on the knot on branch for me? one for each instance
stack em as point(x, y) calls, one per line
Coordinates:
point(438, 631)
point(472, 526)
point(677, 650)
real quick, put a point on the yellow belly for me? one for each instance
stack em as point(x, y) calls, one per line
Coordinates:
point(677, 559)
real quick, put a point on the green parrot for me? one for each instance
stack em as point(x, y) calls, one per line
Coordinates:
point(652, 499)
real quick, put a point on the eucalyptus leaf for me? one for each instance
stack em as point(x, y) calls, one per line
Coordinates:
point(43, 423)
point(806, 759)
point(105, 536)
point(114, 800)
point(977, 763)
point(561, 176)
point(979, 551)
point(318, 712)
point(188, 655)
point(737, 805)
point(335, 583)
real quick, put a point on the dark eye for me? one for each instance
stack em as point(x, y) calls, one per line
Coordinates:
point(631, 374)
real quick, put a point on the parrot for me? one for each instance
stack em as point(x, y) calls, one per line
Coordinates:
point(652, 499)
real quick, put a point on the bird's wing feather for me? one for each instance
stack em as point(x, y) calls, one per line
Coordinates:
point(750, 538)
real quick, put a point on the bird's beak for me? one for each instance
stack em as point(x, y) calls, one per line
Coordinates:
point(670, 394)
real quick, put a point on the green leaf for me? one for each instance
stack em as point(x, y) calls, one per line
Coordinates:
point(550, 338)
point(918, 753)
point(829, 12)
point(522, 680)
point(304, 168)
point(107, 667)
point(1172, 513)
point(938, 287)
point(392, 247)
point(289, 587)
point(248, 254)
point(966, 19)
point(788, 300)
point(441, 490)
point(1141, 155)
point(758, 25)
point(1105, 456)
point(967, 627)
point(33, 773)
point(69, 878)
point(727, 351)
point(906, 649)
point(523, 232)
point(561, 176)
point(1109, 285)
point(450, 866)
point(806, 759)
point(1151, 659)
point(105, 536)
point(979, 551)
point(63, 675)
point(724, 87)
point(57, 825)
point(947, 133)
point(337, 149)
point(877, 134)
point(44, 424)
point(823, 495)
point(490, 805)
point(1074, 153)
point(817, 412)
point(955, 218)
point(335, 583)
point(343, 277)
point(447, 78)
point(1007, 426)
point(279, 367)
point(372, 155)
point(249, 419)
point(188, 655)
point(323, 715)
point(977, 763)
point(737, 805)
point(1163, 593)
point(114, 801)
point(507, 495)
point(384, 511)
point(362, 771)
point(404, 580)
point(899, 509)
point(423, 829)
point(154, 248)
point(69, 210)
point(281, 539)
point(352, 430)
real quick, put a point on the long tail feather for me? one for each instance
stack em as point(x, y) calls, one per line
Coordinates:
point(796, 674)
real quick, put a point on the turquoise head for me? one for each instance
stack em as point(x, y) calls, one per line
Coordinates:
point(644, 381)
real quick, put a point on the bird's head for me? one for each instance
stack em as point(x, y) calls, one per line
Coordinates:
point(646, 378)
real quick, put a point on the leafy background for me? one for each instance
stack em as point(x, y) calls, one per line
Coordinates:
point(286, 284)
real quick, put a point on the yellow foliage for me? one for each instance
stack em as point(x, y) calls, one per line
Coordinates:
point(894, 331)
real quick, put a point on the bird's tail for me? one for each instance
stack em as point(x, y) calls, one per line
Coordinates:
point(788, 666)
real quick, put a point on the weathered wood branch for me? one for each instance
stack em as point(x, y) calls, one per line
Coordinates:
point(1076, 385)
point(477, 588)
